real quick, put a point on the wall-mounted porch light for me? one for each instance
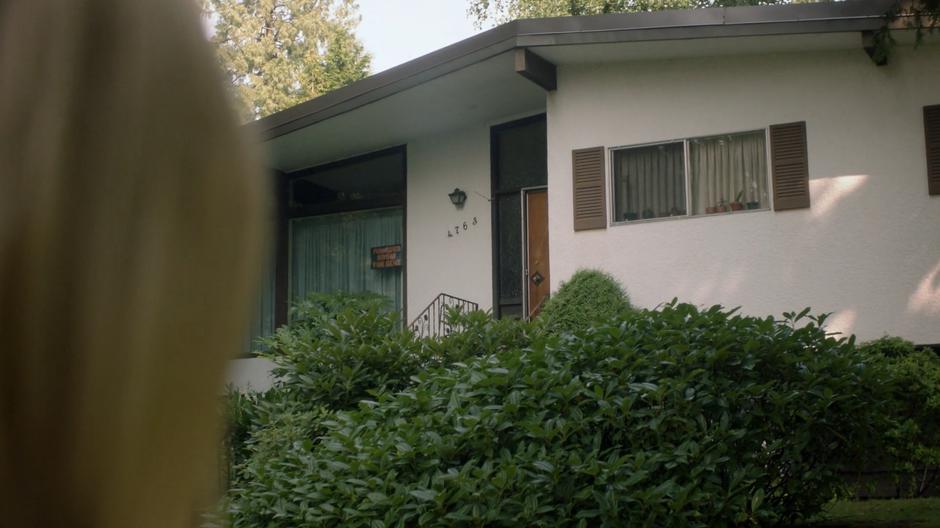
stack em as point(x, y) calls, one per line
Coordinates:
point(457, 198)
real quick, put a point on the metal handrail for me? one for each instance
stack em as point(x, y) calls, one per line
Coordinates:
point(432, 321)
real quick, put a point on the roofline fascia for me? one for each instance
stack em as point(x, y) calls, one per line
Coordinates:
point(834, 17)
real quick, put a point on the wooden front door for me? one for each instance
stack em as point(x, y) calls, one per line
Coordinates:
point(537, 283)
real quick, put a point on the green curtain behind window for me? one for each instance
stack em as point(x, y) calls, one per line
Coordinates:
point(332, 253)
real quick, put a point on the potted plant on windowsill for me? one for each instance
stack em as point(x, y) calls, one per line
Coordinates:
point(736, 205)
point(630, 216)
point(648, 213)
point(752, 205)
point(722, 207)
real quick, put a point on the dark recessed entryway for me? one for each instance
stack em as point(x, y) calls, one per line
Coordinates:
point(519, 165)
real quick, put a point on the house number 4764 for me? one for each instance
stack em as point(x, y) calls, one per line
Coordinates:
point(460, 228)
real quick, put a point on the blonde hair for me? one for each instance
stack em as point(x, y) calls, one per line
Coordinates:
point(130, 214)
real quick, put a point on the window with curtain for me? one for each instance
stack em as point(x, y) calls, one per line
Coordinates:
point(728, 173)
point(696, 176)
point(649, 182)
point(262, 324)
point(330, 253)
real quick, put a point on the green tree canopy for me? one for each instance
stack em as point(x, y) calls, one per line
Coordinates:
point(278, 53)
point(499, 11)
point(922, 15)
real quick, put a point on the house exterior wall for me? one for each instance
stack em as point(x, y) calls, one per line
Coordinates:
point(459, 265)
point(869, 247)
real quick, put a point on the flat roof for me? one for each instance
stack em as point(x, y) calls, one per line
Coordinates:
point(823, 17)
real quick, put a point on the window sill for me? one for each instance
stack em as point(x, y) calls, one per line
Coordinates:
point(687, 217)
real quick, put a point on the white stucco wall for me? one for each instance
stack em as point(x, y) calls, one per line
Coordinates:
point(250, 374)
point(868, 249)
point(459, 265)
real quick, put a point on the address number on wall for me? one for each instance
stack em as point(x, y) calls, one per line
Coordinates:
point(461, 228)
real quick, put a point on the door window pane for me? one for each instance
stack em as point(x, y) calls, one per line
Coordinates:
point(649, 182)
point(509, 211)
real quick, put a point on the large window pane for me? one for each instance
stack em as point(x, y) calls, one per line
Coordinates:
point(373, 181)
point(331, 253)
point(649, 182)
point(262, 324)
point(728, 173)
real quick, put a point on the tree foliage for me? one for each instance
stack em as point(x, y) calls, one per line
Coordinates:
point(913, 447)
point(278, 53)
point(499, 11)
point(923, 16)
point(920, 15)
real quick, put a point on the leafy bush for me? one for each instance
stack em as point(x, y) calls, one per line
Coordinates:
point(273, 481)
point(588, 297)
point(913, 442)
point(340, 348)
point(678, 417)
point(240, 416)
point(889, 346)
point(337, 350)
point(480, 334)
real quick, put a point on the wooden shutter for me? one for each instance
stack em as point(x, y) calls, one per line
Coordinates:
point(790, 166)
point(590, 196)
point(932, 135)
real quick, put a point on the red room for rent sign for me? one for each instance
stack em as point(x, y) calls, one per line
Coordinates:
point(384, 257)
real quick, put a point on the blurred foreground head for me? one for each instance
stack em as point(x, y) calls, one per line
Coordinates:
point(130, 215)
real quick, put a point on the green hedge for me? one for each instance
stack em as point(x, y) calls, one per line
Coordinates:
point(913, 440)
point(338, 350)
point(677, 417)
point(588, 297)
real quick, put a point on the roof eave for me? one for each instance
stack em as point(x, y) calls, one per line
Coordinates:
point(833, 17)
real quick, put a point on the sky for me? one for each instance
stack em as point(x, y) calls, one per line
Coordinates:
point(396, 31)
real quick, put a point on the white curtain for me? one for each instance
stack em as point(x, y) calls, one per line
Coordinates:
point(649, 180)
point(334, 253)
point(726, 167)
point(262, 324)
